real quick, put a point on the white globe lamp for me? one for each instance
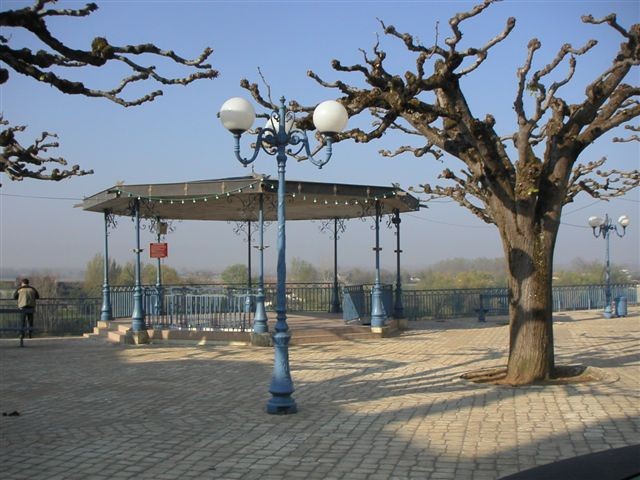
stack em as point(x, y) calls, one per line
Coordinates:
point(330, 117)
point(237, 115)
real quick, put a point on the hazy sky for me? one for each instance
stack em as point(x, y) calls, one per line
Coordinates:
point(178, 137)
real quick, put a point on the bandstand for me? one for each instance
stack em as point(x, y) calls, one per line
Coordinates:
point(240, 313)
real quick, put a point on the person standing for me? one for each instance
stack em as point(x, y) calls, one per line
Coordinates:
point(26, 296)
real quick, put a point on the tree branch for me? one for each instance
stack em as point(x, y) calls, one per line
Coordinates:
point(614, 183)
point(50, 67)
point(609, 19)
point(19, 162)
point(24, 61)
point(462, 193)
point(631, 138)
point(417, 152)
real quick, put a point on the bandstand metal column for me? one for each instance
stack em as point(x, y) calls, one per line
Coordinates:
point(378, 316)
point(260, 319)
point(335, 227)
point(398, 307)
point(247, 302)
point(335, 294)
point(106, 311)
point(158, 307)
point(137, 317)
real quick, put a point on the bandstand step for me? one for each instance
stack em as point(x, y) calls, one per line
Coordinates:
point(115, 332)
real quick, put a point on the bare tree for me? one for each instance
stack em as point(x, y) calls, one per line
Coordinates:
point(521, 190)
point(19, 162)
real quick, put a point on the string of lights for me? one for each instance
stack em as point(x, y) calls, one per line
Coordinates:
point(119, 191)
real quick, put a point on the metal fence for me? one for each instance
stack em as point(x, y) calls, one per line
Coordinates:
point(588, 297)
point(454, 303)
point(301, 297)
point(356, 302)
point(449, 303)
point(57, 316)
point(217, 307)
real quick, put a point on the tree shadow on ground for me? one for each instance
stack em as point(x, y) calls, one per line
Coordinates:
point(161, 411)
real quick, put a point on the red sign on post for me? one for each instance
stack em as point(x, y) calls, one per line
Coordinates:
point(158, 250)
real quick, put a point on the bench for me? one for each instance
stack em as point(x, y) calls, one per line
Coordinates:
point(19, 326)
point(495, 303)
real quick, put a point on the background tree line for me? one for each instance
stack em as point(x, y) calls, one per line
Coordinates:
point(451, 273)
point(123, 275)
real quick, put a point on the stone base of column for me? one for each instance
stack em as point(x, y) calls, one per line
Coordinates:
point(403, 323)
point(137, 338)
point(391, 328)
point(383, 331)
point(261, 339)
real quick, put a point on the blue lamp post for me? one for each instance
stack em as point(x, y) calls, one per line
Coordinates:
point(237, 116)
point(602, 227)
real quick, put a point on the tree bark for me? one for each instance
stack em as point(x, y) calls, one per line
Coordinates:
point(529, 253)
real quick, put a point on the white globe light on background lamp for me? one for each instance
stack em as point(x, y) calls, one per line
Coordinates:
point(595, 221)
point(624, 221)
point(603, 227)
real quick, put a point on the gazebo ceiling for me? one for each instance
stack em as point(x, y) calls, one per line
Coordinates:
point(237, 199)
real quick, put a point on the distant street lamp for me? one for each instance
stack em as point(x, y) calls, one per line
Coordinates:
point(602, 227)
point(237, 116)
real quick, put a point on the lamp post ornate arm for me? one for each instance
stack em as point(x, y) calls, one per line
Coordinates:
point(237, 116)
point(602, 227)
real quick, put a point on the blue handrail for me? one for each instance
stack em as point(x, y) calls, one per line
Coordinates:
point(222, 307)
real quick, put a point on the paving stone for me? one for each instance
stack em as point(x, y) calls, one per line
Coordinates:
point(373, 409)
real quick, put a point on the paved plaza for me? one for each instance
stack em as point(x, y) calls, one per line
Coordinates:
point(376, 409)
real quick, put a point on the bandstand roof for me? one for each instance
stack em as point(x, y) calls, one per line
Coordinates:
point(237, 199)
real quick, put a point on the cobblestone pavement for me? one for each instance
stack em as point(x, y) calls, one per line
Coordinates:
point(376, 409)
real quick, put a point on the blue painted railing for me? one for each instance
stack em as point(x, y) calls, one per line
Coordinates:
point(224, 308)
point(221, 307)
point(353, 302)
point(60, 316)
point(452, 303)
point(589, 297)
point(356, 302)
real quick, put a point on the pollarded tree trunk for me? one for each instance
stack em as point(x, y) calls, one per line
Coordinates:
point(529, 253)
